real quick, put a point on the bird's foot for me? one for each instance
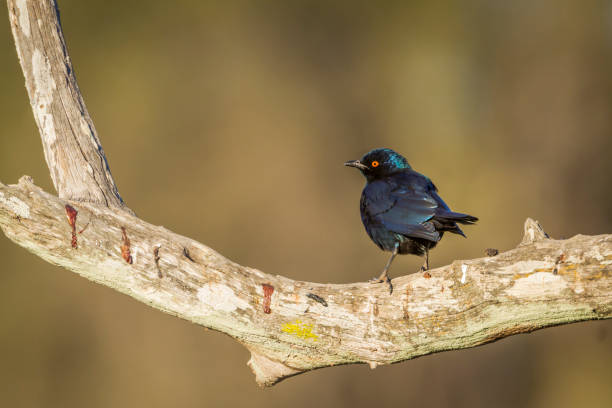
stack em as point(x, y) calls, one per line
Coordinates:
point(390, 286)
point(423, 268)
point(382, 279)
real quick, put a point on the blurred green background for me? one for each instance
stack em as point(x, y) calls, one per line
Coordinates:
point(229, 122)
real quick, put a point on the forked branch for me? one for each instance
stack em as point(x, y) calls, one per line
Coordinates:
point(73, 152)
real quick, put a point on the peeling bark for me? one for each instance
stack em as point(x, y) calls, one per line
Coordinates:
point(541, 283)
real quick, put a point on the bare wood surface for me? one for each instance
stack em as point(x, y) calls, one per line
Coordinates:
point(293, 326)
point(76, 160)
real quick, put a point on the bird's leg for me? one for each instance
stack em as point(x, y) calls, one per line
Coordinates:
point(426, 263)
point(384, 277)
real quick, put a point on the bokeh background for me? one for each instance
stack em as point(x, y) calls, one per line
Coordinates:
point(229, 122)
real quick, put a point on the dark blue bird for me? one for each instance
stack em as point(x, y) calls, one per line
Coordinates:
point(401, 209)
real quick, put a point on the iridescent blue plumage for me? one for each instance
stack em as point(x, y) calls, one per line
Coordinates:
point(401, 209)
point(395, 160)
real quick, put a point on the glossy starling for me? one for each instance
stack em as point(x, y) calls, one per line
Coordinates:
point(401, 209)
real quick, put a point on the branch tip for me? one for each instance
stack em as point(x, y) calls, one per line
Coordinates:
point(269, 372)
point(533, 232)
point(26, 181)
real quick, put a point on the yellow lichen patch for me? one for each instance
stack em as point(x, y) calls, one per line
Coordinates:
point(528, 274)
point(299, 329)
point(570, 267)
point(569, 270)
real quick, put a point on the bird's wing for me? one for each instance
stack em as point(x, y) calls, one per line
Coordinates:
point(403, 205)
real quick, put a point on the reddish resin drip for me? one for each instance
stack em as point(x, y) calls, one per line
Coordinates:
point(125, 248)
point(71, 213)
point(268, 290)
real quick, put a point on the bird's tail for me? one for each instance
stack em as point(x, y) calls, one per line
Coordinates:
point(451, 216)
point(447, 221)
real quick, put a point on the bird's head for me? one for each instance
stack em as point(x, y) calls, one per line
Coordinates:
point(379, 163)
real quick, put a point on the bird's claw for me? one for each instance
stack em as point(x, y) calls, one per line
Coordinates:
point(381, 280)
point(390, 286)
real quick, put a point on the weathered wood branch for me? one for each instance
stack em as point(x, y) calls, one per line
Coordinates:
point(289, 326)
point(73, 152)
point(292, 326)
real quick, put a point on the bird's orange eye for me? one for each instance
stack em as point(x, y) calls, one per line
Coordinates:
point(375, 163)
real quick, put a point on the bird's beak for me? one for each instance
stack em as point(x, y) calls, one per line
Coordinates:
point(357, 164)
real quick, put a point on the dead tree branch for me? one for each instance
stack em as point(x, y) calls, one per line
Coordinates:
point(73, 152)
point(289, 326)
